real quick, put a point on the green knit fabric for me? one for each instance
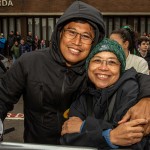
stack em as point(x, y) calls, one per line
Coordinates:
point(110, 46)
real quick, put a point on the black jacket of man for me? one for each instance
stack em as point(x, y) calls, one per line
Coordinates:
point(48, 86)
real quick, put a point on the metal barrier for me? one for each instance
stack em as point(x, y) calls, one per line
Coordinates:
point(20, 146)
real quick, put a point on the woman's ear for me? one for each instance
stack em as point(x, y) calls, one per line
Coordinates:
point(126, 44)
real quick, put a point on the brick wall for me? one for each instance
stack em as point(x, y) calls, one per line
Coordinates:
point(47, 6)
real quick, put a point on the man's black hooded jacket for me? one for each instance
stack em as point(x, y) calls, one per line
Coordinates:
point(47, 84)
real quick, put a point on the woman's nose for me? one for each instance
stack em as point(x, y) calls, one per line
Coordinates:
point(103, 65)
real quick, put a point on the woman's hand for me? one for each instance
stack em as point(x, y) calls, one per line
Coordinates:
point(128, 133)
point(72, 125)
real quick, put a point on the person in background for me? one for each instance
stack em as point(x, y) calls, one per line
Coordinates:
point(126, 37)
point(50, 79)
point(30, 40)
point(36, 43)
point(143, 45)
point(15, 51)
point(18, 37)
point(23, 47)
point(91, 121)
point(144, 34)
point(42, 44)
point(10, 41)
point(2, 44)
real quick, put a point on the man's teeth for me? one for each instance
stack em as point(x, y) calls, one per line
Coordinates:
point(74, 51)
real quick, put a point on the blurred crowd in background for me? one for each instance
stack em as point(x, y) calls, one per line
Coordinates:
point(14, 46)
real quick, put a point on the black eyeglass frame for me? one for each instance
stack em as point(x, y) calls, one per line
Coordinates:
point(81, 35)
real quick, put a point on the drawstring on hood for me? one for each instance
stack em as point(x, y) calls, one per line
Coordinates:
point(100, 100)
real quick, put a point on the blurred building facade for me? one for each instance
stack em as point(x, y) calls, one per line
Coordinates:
point(40, 17)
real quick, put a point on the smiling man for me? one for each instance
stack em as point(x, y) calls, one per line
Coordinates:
point(51, 79)
point(75, 41)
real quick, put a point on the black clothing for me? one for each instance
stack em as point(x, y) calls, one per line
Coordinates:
point(2, 66)
point(126, 89)
point(30, 40)
point(18, 38)
point(47, 84)
point(46, 93)
point(147, 58)
point(23, 48)
point(11, 40)
point(3, 69)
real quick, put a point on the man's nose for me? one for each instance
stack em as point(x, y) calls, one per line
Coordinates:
point(77, 39)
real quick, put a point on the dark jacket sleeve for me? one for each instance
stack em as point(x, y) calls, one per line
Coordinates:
point(144, 84)
point(11, 88)
point(2, 66)
point(91, 135)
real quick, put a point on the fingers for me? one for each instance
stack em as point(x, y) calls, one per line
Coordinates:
point(75, 118)
point(63, 130)
point(147, 128)
point(72, 125)
point(133, 131)
point(138, 131)
point(126, 117)
point(137, 122)
point(134, 141)
point(136, 137)
point(140, 110)
point(128, 133)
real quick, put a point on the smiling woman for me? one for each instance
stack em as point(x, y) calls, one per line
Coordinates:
point(104, 69)
point(111, 92)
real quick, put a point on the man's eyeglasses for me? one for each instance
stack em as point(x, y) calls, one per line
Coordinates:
point(85, 38)
point(109, 62)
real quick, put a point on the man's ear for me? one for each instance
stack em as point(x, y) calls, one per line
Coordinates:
point(139, 45)
point(61, 34)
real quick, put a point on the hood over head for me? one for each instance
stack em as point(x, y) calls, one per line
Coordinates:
point(76, 11)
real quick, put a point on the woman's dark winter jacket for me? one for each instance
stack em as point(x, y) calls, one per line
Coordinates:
point(126, 90)
point(47, 84)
